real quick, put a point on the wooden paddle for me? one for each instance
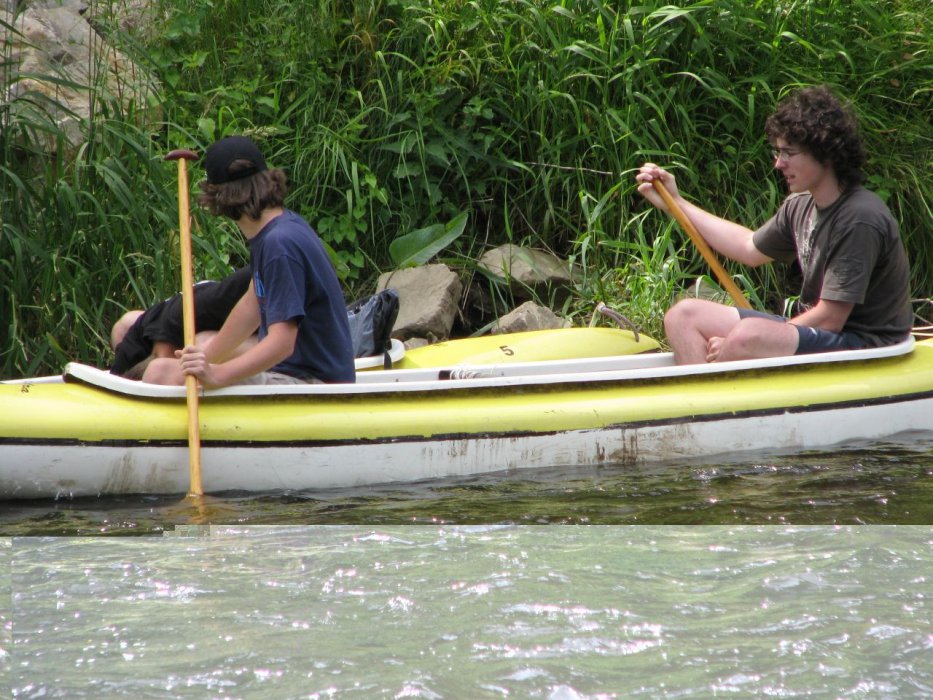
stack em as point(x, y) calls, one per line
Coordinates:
point(196, 488)
point(724, 279)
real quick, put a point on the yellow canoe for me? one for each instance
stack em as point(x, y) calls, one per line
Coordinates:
point(90, 433)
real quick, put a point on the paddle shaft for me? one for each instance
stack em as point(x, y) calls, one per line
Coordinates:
point(196, 487)
point(724, 279)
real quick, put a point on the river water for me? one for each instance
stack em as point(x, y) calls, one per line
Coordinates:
point(795, 576)
point(483, 611)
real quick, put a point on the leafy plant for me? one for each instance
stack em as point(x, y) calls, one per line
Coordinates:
point(527, 117)
point(418, 247)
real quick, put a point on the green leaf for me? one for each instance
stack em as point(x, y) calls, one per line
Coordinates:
point(417, 247)
point(340, 267)
point(207, 127)
point(438, 152)
point(406, 170)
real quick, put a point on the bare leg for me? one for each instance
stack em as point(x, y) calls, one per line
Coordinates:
point(164, 370)
point(691, 323)
point(119, 329)
point(758, 337)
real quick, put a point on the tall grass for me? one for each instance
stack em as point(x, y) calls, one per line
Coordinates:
point(532, 116)
point(87, 229)
point(393, 115)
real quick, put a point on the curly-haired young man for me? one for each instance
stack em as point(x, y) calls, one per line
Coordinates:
point(855, 289)
point(294, 297)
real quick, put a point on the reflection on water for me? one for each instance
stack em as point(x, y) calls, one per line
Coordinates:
point(884, 483)
point(562, 613)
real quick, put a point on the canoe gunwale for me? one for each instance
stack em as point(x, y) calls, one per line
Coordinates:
point(610, 369)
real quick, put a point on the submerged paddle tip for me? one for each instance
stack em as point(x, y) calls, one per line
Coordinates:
point(181, 154)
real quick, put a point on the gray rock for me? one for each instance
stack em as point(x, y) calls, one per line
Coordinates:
point(527, 271)
point(529, 317)
point(429, 297)
point(413, 343)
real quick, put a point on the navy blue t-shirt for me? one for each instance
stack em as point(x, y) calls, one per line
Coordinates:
point(295, 281)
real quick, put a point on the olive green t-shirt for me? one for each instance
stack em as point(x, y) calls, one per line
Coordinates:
point(851, 251)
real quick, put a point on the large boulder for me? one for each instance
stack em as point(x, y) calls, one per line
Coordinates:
point(529, 272)
point(63, 69)
point(429, 298)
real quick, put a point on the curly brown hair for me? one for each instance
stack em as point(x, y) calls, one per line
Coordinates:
point(249, 195)
point(817, 121)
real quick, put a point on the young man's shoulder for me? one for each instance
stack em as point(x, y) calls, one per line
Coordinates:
point(797, 200)
point(857, 201)
point(863, 205)
point(290, 219)
point(287, 228)
point(863, 197)
point(795, 207)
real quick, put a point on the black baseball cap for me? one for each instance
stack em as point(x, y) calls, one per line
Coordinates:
point(222, 154)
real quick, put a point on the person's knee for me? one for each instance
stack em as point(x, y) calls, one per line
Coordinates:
point(684, 312)
point(163, 371)
point(120, 328)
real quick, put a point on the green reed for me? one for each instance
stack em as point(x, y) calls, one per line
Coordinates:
point(395, 115)
point(87, 231)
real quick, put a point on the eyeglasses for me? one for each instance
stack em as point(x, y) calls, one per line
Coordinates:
point(784, 154)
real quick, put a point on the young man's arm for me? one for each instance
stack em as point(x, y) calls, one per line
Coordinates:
point(215, 364)
point(278, 345)
point(726, 237)
point(241, 323)
point(825, 314)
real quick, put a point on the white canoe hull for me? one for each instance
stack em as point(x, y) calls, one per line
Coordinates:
point(86, 470)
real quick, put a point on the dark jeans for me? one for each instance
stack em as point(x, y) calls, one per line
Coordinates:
point(812, 339)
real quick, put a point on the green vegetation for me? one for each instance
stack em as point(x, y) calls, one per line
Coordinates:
point(398, 116)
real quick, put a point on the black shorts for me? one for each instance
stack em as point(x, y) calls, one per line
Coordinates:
point(811, 340)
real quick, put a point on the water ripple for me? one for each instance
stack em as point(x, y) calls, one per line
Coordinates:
point(461, 611)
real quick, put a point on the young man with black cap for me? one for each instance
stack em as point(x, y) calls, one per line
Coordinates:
point(294, 297)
